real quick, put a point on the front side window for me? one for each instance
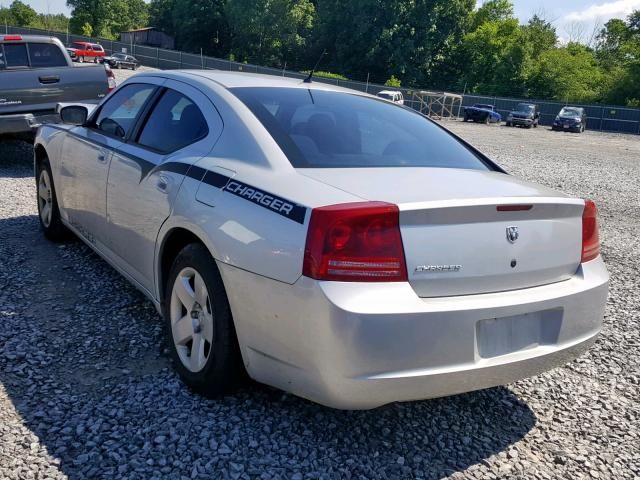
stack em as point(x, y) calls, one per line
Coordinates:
point(118, 114)
point(46, 55)
point(318, 129)
point(16, 55)
point(175, 122)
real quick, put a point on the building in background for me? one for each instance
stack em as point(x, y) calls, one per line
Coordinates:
point(150, 37)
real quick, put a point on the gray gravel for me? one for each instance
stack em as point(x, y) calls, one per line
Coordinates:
point(87, 391)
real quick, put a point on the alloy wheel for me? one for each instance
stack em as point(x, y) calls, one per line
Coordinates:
point(191, 319)
point(45, 197)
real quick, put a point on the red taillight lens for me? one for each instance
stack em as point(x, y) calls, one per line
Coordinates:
point(111, 78)
point(12, 38)
point(355, 242)
point(590, 236)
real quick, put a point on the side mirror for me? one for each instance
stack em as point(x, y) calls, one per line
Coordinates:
point(74, 115)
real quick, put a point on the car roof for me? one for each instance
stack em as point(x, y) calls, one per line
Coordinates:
point(244, 79)
point(389, 92)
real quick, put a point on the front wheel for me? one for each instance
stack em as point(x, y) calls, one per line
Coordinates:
point(199, 325)
point(80, 59)
point(48, 211)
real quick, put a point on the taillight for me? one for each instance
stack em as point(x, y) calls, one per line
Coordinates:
point(12, 38)
point(355, 242)
point(590, 236)
point(111, 78)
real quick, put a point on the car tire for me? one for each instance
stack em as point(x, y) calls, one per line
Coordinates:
point(508, 124)
point(486, 120)
point(48, 211)
point(535, 125)
point(118, 66)
point(199, 325)
point(80, 59)
point(465, 119)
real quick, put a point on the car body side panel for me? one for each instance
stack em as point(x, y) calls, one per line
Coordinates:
point(143, 186)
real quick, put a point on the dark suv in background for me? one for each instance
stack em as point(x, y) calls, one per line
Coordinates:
point(571, 119)
point(525, 114)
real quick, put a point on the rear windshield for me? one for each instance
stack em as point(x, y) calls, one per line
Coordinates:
point(317, 129)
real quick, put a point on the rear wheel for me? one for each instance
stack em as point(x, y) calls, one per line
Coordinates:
point(199, 325)
point(509, 124)
point(48, 211)
point(81, 59)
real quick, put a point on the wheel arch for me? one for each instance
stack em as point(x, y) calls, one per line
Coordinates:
point(39, 154)
point(173, 241)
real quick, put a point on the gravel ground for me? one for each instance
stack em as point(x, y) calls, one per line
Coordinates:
point(87, 391)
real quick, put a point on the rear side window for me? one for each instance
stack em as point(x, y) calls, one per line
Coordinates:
point(117, 116)
point(175, 122)
point(324, 129)
point(15, 55)
point(46, 55)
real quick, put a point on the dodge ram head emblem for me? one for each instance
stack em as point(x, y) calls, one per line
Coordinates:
point(512, 234)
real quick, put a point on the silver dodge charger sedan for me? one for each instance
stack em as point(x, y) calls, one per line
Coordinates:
point(330, 243)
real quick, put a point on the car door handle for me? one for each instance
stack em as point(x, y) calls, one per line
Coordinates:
point(48, 79)
point(163, 183)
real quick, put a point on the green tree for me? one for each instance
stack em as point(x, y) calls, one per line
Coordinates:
point(491, 11)
point(497, 58)
point(413, 39)
point(393, 82)
point(541, 35)
point(21, 14)
point(569, 73)
point(161, 15)
point(269, 32)
point(108, 18)
point(201, 24)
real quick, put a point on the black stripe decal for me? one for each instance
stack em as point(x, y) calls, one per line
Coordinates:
point(264, 199)
point(267, 200)
point(216, 179)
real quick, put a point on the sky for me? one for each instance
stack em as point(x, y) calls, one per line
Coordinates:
point(571, 18)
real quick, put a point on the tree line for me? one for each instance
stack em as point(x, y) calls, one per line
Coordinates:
point(440, 44)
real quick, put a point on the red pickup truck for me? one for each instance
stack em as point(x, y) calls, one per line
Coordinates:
point(85, 51)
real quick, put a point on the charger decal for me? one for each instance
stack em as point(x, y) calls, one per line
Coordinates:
point(267, 200)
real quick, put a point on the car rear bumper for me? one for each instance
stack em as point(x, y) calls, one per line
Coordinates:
point(356, 346)
point(24, 122)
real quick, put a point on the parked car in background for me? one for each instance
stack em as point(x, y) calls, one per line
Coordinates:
point(262, 217)
point(87, 52)
point(524, 115)
point(392, 95)
point(72, 54)
point(483, 113)
point(121, 60)
point(36, 74)
point(572, 119)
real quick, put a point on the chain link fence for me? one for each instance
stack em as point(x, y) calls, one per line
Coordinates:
point(609, 118)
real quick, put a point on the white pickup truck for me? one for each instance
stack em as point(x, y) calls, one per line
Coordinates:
point(36, 73)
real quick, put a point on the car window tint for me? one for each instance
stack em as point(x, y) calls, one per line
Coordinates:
point(319, 128)
point(46, 55)
point(118, 114)
point(175, 122)
point(16, 55)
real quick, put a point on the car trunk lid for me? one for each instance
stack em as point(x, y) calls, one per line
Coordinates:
point(468, 232)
